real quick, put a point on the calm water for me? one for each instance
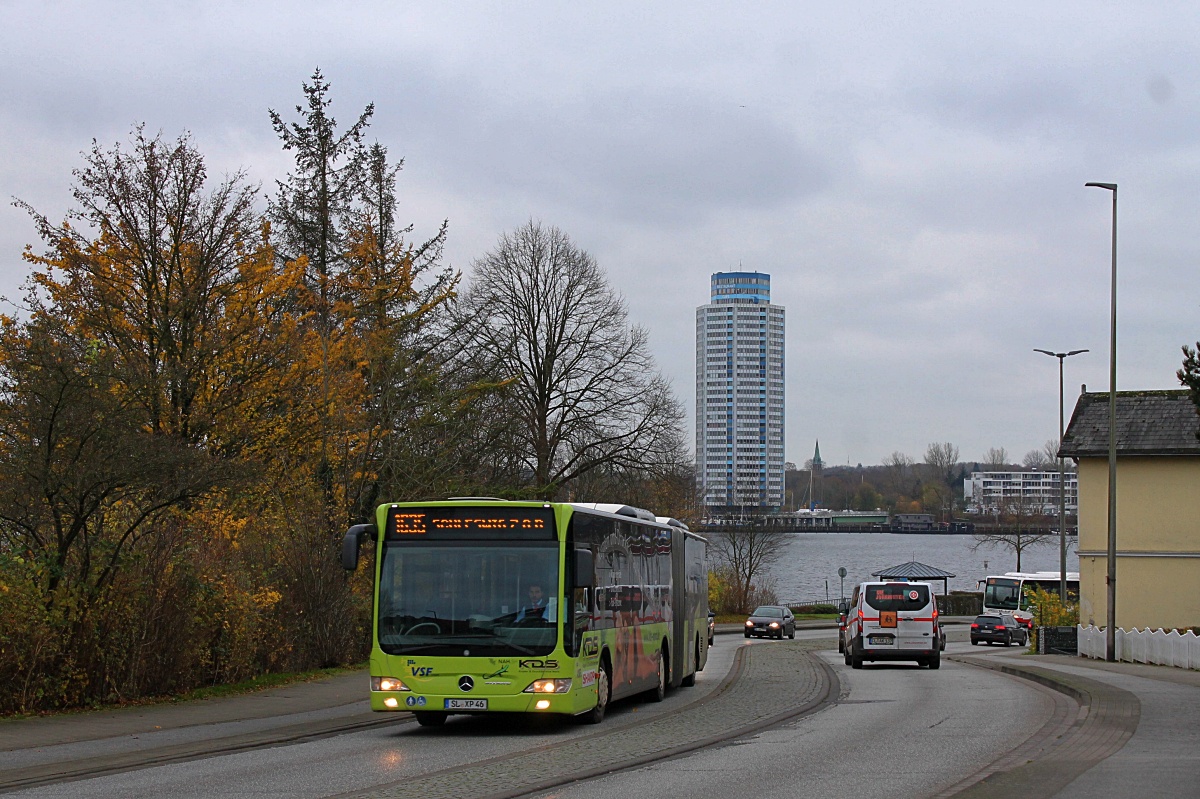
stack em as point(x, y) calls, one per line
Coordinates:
point(811, 559)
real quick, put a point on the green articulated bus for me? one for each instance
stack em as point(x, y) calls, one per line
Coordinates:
point(485, 606)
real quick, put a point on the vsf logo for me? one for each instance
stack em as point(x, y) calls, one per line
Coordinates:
point(422, 671)
point(537, 663)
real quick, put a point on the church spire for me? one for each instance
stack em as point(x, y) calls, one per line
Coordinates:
point(816, 467)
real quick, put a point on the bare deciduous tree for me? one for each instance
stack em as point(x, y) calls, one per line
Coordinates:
point(1014, 534)
point(1050, 449)
point(744, 557)
point(941, 460)
point(584, 385)
point(995, 458)
point(1035, 459)
point(899, 472)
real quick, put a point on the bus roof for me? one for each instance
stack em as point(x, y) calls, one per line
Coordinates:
point(1036, 575)
point(619, 510)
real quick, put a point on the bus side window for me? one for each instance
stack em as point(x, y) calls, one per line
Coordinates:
point(583, 616)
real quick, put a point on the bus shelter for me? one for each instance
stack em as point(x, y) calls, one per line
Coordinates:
point(915, 570)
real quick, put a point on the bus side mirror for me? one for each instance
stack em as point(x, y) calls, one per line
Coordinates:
point(352, 542)
point(584, 569)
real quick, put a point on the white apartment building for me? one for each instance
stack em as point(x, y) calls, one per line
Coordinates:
point(1030, 492)
point(739, 395)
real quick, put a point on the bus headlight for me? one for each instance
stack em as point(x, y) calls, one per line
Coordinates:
point(388, 684)
point(558, 685)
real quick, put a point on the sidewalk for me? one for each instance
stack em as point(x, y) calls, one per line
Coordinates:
point(341, 696)
point(1138, 736)
point(38, 750)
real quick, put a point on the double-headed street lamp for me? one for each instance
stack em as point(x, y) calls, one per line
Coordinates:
point(1062, 471)
point(1110, 638)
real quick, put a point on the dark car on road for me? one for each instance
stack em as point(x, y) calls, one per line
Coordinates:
point(772, 621)
point(998, 629)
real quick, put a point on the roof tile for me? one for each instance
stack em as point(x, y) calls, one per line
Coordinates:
point(1148, 423)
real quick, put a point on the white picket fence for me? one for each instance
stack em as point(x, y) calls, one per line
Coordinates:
point(1144, 646)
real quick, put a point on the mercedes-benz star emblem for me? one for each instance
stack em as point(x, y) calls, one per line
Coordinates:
point(465, 683)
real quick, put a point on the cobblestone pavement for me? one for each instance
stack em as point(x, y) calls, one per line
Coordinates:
point(767, 685)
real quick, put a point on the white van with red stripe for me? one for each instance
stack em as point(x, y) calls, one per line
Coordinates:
point(893, 621)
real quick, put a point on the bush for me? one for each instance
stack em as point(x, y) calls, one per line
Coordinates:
point(1050, 611)
point(222, 597)
point(725, 597)
point(34, 660)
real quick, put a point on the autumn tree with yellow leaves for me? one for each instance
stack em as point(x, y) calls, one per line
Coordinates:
point(198, 396)
point(156, 327)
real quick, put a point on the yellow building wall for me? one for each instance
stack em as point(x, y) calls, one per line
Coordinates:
point(1158, 513)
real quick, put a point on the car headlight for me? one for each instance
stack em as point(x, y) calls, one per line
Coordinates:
point(749, 623)
point(388, 684)
point(557, 685)
point(773, 624)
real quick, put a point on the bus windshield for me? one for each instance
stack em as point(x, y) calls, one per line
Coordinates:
point(1002, 593)
point(483, 599)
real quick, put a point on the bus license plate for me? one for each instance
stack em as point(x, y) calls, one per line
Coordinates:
point(466, 704)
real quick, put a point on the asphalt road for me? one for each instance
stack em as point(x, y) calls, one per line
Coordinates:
point(918, 708)
point(896, 730)
point(891, 728)
point(356, 762)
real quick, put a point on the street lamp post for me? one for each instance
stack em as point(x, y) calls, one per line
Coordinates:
point(1110, 638)
point(1062, 484)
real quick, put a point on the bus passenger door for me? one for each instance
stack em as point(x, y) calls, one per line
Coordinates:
point(582, 582)
point(582, 618)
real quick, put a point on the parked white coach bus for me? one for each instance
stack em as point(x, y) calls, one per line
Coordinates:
point(1006, 593)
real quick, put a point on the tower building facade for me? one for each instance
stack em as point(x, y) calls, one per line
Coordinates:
point(739, 396)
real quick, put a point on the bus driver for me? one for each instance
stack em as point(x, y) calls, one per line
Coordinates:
point(535, 605)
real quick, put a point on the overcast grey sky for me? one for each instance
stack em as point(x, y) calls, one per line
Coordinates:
point(910, 175)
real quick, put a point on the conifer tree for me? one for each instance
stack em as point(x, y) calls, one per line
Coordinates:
point(313, 208)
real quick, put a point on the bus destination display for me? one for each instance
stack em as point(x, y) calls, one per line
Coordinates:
point(471, 523)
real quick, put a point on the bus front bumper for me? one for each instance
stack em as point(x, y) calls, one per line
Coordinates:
point(441, 703)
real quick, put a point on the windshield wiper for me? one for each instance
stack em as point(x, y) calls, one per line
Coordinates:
point(408, 649)
point(519, 648)
point(483, 638)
